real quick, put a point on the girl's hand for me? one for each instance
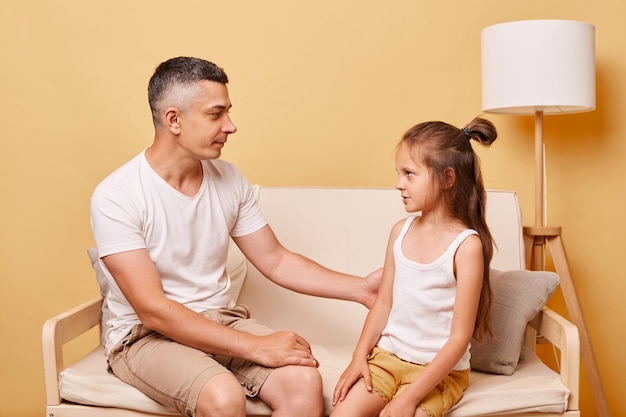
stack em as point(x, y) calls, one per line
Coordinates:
point(356, 369)
point(400, 406)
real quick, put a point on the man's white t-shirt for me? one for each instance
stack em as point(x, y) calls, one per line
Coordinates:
point(186, 237)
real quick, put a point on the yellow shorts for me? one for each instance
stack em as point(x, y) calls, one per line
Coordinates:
point(392, 375)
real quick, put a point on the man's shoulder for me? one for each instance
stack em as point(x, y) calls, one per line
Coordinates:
point(124, 176)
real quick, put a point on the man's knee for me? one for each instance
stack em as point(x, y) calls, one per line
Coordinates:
point(297, 378)
point(311, 378)
point(294, 390)
point(307, 395)
point(221, 396)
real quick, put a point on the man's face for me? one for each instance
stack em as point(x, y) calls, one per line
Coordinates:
point(206, 124)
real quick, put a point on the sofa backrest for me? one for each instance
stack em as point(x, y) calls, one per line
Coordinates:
point(347, 229)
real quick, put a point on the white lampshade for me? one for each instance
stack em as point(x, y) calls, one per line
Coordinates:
point(538, 65)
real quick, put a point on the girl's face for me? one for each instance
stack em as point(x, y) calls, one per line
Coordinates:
point(414, 182)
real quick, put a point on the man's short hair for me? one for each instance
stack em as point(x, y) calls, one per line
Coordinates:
point(177, 74)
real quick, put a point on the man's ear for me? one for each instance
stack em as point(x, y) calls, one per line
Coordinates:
point(449, 178)
point(172, 120)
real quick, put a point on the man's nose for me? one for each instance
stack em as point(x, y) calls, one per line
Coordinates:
point(230, 126)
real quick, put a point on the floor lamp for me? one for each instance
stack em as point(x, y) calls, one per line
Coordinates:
point(538, 67)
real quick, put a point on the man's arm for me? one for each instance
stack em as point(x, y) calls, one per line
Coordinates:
point(137, 276)
point(300, 274)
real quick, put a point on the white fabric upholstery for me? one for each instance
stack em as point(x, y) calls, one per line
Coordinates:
point(533, 387)
point(344, 229)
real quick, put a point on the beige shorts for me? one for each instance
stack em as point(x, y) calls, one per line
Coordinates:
point(173, 374)
point(392, 375)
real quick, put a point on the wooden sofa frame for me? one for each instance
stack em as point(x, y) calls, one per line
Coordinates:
point(320, 207)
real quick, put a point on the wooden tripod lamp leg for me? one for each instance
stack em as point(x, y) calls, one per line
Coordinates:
point(551, 236)
point(555, 244)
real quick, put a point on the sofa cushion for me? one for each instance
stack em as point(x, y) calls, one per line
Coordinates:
point(533, 387)
point(517, 298)
point(88, 382)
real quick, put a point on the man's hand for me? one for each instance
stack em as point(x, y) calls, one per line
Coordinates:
point(283, 348)
point(372, 283)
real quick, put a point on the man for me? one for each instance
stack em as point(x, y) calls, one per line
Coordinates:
point(162, 224)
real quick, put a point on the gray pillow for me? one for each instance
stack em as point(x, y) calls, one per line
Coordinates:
point(517, 297)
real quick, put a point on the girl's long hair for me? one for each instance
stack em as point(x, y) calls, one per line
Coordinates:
point(442, 146)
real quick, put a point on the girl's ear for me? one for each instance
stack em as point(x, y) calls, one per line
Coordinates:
point(449, 178)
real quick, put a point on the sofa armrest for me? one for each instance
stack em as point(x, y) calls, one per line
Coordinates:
point(563, 335)
point(59, 330)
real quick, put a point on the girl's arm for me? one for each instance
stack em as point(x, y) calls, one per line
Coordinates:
point(372, 328)
point(469, 275)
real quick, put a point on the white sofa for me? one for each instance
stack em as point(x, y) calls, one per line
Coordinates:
point(347, 229)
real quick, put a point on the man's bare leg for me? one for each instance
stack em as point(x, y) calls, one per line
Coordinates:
point(221, 396)
point(294, 391)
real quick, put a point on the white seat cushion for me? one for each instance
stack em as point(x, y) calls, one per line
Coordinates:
point(88, 382)
point(533, 387)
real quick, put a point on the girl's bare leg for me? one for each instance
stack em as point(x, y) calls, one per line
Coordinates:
point(359, 402)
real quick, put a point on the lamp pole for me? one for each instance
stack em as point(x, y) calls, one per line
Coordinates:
point(540, 236)
point(538, 245)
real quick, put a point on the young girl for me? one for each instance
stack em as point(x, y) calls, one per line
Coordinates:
point(412, 358)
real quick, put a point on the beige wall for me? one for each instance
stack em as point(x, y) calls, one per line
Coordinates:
point(322, 91)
